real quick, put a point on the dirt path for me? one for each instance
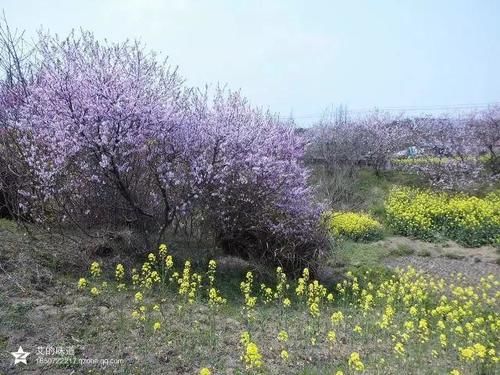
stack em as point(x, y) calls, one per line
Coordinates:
point(445, 267)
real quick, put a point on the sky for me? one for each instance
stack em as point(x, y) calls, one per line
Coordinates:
point(302, 57)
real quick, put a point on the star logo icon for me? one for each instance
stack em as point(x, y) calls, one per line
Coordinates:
point(20, 356)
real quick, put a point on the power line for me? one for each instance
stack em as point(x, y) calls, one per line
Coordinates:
point(443, 107)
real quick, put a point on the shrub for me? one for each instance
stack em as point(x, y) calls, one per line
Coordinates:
point(424, 214)
point(354, 226)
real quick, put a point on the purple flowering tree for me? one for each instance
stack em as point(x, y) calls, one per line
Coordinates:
point(258, 200)
point(92, 126)
point(110, 137)
point(370, 140)
point(15, 76)
point(451, 158)
point(486, 130)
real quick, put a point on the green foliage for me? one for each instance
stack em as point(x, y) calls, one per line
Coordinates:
point(356, 255)
point(402, 250)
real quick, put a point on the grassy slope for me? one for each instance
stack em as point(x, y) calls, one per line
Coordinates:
point(52, 311)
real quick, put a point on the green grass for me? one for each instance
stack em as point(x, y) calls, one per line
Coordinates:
point(355, 254)
point(8, 225)
point(374, 187)
point(402, 250)
point(14, 315)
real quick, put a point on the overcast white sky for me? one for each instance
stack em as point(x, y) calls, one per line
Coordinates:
point(303, 56)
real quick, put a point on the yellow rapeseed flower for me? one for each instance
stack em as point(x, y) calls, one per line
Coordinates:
point(95, 269)
point(355, 362)
point(82, 283)
point(138, 297)
point(119, 272)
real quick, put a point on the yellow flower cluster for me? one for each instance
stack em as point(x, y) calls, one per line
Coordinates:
point(251, 354)
point(283, 339)
point(156, 326)
point(281, 286)
point(353, 225)
point(95, 269)
point(246, 290)
point(399, 348)
point(337, 317)
point(162, 250)
point(214, 298)
point(119, 272)
point(283, 336)
point(267, 293)
point(422, 305)
point(355, 362)
point(138, 297)
point(476, 351)
point(189, 283)
point(315, 295)
point(284, 355)
point(149, 275)
point(301, 289)
point(424, 214)
point(82, 283)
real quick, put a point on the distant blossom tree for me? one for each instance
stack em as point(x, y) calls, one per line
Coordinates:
point(367, 140)
point(486, 131)
point(452, 153)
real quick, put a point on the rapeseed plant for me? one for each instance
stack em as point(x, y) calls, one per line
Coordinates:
point(354, 226)
point(95, 270)
point(138, 297)
point(82, 283)
point(355, 362)
point(156, 326)
point(249, 300)
point(251, 355)
point(119, 272)
point(424, 214)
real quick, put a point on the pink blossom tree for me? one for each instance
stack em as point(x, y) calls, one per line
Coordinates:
point(89, 124)
point(369, 140)
point(111, 137)
point(258, 198)
point(451, 153)
point(15, 76)
point(486, 132)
